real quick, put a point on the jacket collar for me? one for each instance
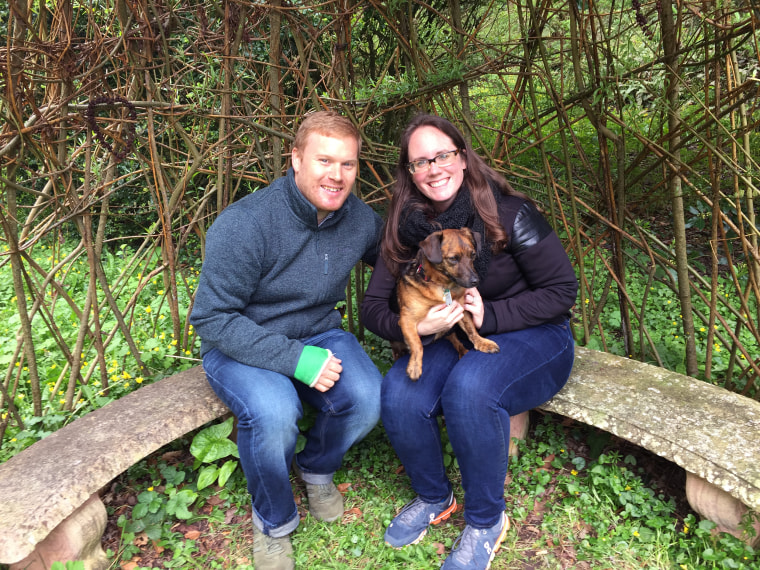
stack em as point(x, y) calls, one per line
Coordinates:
point(305, 210)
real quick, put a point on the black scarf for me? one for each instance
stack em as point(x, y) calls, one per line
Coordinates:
point(415, 226)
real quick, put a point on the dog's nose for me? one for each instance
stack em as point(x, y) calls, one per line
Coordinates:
point(474, 282)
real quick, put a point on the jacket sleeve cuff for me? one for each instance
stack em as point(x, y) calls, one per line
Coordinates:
point(311, 364)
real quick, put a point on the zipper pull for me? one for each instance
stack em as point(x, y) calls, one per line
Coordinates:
point(325, 270)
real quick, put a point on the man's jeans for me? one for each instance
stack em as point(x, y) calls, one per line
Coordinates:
point(476, 394)
point(268, 405)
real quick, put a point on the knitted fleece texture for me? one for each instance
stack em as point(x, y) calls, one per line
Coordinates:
point(272, 275)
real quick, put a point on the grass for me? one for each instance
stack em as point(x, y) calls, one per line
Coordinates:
point(576, 497)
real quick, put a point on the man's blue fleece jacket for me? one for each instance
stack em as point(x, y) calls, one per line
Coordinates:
point(272, 276)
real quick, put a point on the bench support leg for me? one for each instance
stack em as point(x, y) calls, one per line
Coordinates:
point(76, 538)
point(518, 429)
point(720, 507)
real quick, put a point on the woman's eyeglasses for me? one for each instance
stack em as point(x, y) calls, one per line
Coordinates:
point(444, 159)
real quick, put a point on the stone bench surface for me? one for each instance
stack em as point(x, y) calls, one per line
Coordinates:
point(47, 482)
point(703, 428)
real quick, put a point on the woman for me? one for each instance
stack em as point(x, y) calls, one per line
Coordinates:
point(526, 289)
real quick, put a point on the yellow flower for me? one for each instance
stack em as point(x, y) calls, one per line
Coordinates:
point(635, 533)
point(174, 342)
point(139, 380)
point(573, 472)
point(20, 396)
point(61, 401)
point(150, 488)
point(148, 309)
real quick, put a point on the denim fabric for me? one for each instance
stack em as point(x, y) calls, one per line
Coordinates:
point(268, 405)
point(476, 394)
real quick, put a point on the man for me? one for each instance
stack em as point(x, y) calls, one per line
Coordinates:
point(277, 262)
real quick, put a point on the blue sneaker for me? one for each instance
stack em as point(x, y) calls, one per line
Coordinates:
point(475, 548)
point(412, 522)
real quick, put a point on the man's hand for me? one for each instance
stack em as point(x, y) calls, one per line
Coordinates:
point(330, 375)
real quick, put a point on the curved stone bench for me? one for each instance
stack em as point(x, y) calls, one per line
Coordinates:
point(50, 492)
point(712, 433)
point(51, 510)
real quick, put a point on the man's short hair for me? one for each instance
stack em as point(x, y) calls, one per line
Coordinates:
point(328, 124)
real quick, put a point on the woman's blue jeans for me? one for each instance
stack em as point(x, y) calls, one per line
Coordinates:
point(268, 405)
point(476, 394)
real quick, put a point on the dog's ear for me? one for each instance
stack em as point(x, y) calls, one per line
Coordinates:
point(478, 241)
point(431, 247)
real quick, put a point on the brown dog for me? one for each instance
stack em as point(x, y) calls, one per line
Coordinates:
point(441, 273)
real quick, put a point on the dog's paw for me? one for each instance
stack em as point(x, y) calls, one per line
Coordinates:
point(414, 370)
point(485, 345)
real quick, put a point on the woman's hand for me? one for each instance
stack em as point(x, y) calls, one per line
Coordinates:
point(330, 375)
point(473, 303)
point(440, 319)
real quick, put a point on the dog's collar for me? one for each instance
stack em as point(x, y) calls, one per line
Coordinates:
point(421, 272)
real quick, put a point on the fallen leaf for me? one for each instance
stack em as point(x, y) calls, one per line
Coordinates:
point(354, 511)
point(172, 456)
point(157, 547)
point(192, 534)
point(343, 487)
point(141, 539)
point(440, 548)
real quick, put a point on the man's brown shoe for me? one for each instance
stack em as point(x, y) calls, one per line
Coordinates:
point(272, 553)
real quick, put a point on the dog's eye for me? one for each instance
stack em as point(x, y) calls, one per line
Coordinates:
point(453, 259)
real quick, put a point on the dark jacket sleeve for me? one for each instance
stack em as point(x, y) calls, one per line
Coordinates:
point(548, 286)
point(377, 313)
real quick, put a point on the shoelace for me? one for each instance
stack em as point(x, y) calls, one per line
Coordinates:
point(323, 491)
point(271, 545)
point(410, 511)
point(466, 544)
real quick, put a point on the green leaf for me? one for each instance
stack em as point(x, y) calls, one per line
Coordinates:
point(139, 510)
point(225, 472)
point(207, 476)
point(212, 443)
point(179, 502)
